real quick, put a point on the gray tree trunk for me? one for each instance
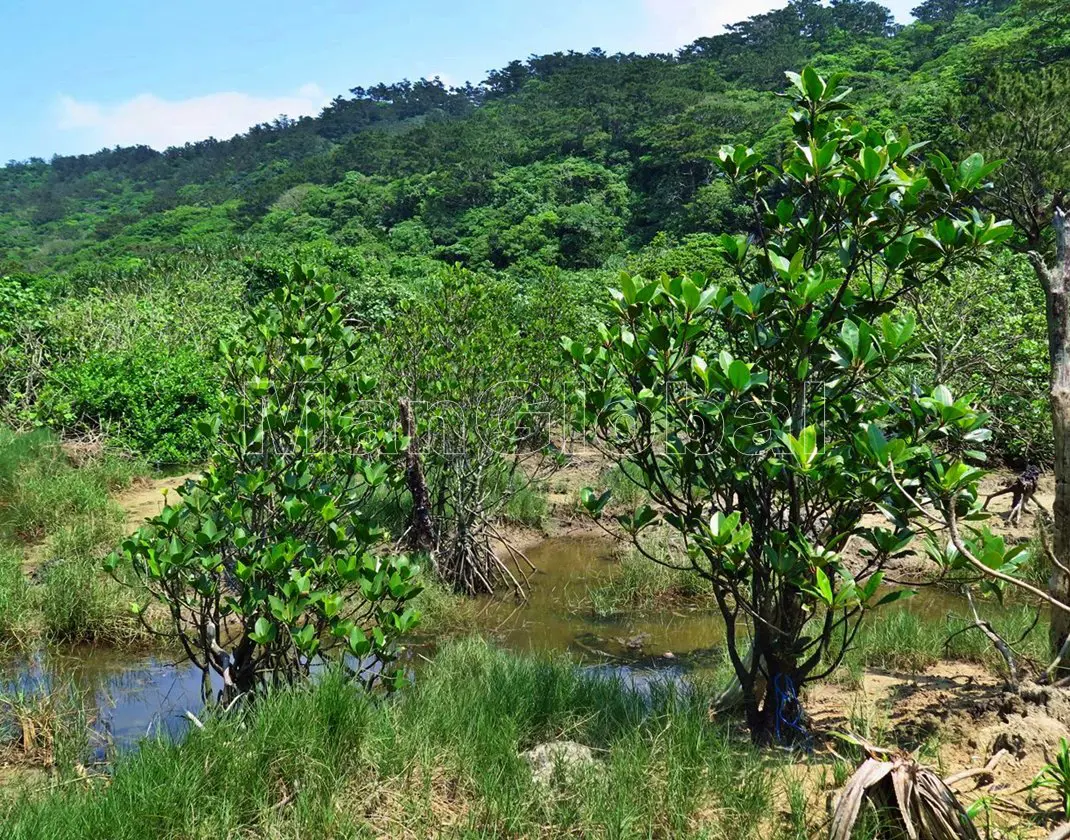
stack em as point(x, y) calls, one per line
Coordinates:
point(1056, 281)
point(421, 527)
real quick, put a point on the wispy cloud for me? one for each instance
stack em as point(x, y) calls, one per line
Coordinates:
point(448, 79)
point(148, 119)
point(674, 23)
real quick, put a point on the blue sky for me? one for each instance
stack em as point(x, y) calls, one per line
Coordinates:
point(76, 75)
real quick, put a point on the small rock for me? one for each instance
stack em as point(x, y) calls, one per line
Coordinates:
point(669, 655)
point(569, 756)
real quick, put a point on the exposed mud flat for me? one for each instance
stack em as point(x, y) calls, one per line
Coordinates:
point(146, 498)
point(958, 717)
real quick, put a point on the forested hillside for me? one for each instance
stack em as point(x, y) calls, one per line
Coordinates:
point(567, 160)
point(565, 164)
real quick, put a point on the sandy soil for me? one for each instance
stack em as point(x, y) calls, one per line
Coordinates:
point(146, 498)
point(956, 716)
point(915, 566)
point(583, 469)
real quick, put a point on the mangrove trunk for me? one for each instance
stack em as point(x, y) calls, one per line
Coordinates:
point(421, 528)
point(1056, 279)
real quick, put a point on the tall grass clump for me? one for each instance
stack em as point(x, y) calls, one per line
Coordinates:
point(527, 505)
point(17, 449)
point(41, 490)
point(443, 612)
point(660, 761)
point(57, 522)
point(624, 480)
point(440, 759)
point(79, 603)
point(1037, 567)
point(639, 584)
point(15, 603)
point(45, 728)
point(911, 640)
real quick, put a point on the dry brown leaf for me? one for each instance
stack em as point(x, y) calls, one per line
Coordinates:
point(923, 806)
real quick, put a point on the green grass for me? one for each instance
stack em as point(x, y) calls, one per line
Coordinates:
point(15, 606)
point(640, 584)
point(443, 612)
point(901, 639)
point(40, 490)
point(328, 761)
point(57, 522)
point(1037, 568)
point(527, 505)
point(18, 449)
point(624, 480)
point(80, 603)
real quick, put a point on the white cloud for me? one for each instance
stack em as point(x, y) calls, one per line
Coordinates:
point(148, 119)
point(447, 79)
point(674, 23)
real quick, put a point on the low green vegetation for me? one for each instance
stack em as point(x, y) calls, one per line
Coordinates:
point(639, 585)
point(14, 596)
point(910, 641)
point(1055, 779)
point(444, 613)
point(41, 490)
point(625, 482)
point(57, 523)
point(328, 760)
point(527, 505)
point(140, 363)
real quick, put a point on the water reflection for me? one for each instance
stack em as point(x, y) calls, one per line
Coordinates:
point(553, 619)
point(131, 697)
point(125, 697)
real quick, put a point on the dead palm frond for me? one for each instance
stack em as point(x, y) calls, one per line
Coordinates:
point(911, 801)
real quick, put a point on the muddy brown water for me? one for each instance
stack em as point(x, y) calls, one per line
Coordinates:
point(130, 697)
point(637, 647)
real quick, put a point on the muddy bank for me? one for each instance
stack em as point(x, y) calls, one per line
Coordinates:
point(146, 498)
point(957, 718)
